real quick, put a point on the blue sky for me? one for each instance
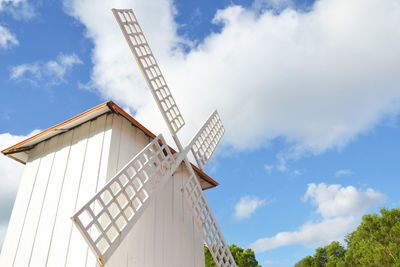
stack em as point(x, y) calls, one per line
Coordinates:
point(309, 94)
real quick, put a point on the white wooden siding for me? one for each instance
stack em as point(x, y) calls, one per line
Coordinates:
point(62, 173)
point(57, 254)
point(21, 204)
point(166, 234)
point(51, 201)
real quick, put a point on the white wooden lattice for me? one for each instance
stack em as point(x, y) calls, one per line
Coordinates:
point(207, 140)
point(205, 220)
point(149, 67)
point(105, 220)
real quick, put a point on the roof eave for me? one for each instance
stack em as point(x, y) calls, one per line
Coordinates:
point(94, 112)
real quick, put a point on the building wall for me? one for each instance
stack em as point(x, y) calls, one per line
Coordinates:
point(63, 173)
point(166, 234)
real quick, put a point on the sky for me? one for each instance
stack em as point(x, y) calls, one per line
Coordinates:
point(308, 91)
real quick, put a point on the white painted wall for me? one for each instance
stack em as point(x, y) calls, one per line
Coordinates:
point(62, 173)
point(166, 234)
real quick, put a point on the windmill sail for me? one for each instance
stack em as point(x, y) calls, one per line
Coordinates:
point(205, 142)
point(203, 146)
point(105, 220)
point(205, 220)
point(149, 67)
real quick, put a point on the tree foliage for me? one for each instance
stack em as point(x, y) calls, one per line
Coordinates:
point(375, 242)
point(243, 258)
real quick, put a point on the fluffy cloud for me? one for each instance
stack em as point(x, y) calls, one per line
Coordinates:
point(246, 206)
point(51, 72)
point(318, 78)
point(10, 174)
point(19, 10)
point(340, 209)
point(7, 39)
point(338, 201)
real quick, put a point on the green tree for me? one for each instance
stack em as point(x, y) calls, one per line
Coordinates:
point(243, 258)
point(306, 262)
point(330, 255)
point(375, 242)
point(335, 253)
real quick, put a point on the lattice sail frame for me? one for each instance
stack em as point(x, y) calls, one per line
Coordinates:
point(149, 67)
point(105, 220)
point(207, 140)
point(205, 220)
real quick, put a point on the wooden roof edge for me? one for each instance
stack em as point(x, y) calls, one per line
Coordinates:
point(114, 108)
point(12, 149)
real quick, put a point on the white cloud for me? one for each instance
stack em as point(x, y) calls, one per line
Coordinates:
point(7, 39)
point(317, 79)
point(309, 234)
point(20, 70)
point(246, 206)
point(340, 209)
point(51, 72)
point(10, 174)
point(338, 201)
point(19, 9)
point(343, 173)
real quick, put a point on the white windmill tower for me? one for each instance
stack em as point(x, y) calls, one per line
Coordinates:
point(151, 210)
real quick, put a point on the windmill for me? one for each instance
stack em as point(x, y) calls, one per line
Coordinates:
point(106, 219)
point(136, 201)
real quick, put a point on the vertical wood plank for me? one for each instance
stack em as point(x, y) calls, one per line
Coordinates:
point(126, 151)
point(102, 173)
point(148, 219)
point(63, 225)
point(198, 246)
point(77, 251)
point(139, 238)
point(134, 247)
point(20, 209)
point(168, 224)
point(35, 205)
point(49, 210)
point(177, 219)
point(187, 228)
point(112, 166)
point(105, 152)
point(158, 227)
